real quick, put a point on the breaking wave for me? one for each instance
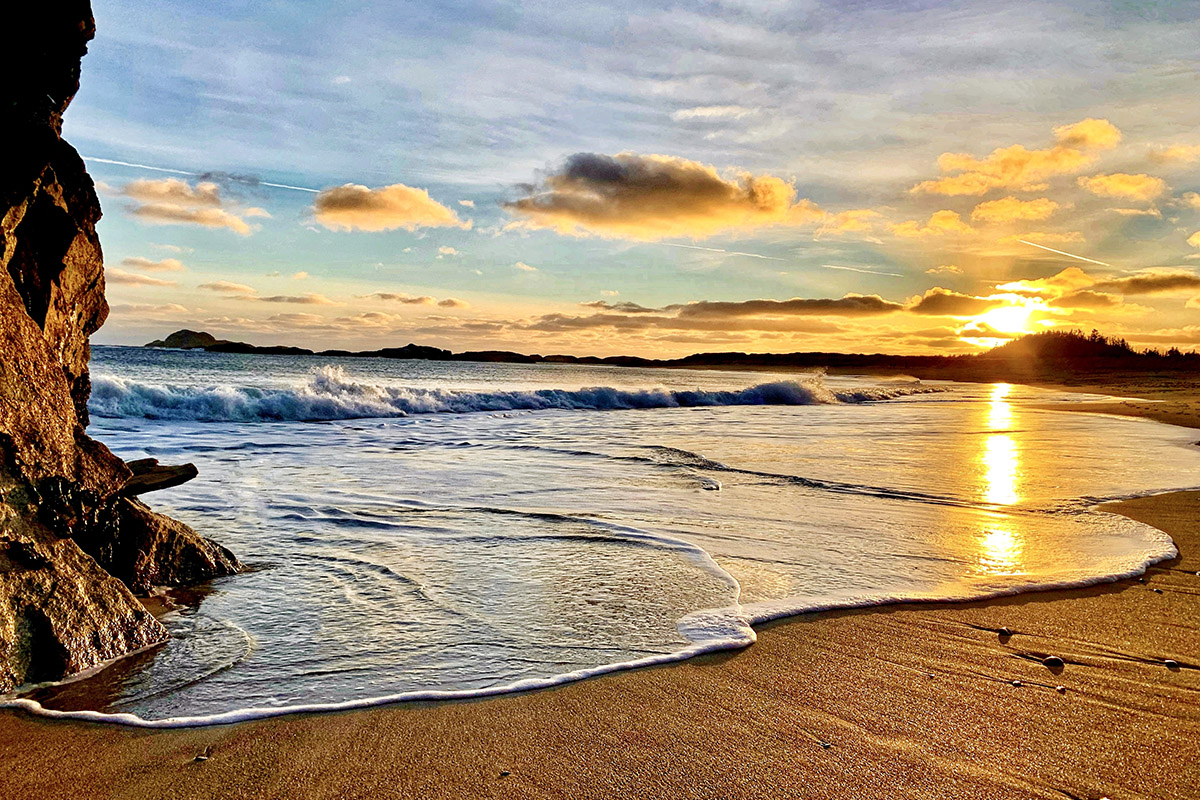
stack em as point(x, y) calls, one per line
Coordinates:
point(330, 394)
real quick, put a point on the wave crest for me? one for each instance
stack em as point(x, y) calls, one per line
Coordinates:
point(330, 394)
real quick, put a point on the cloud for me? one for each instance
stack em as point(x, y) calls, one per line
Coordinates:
point(444, 251)
point(1156, 281)
point(621, 308)
point(1123, 185)
point(1085, 298)
point(1010, 209)
point(171, 201)
point(712, 113)
point(453, 302)
point(113, 275)
point(400, 297)
point(1179, 153)
point(652, 197)
point(1194, 239)
point(851, 305)
point(1016, 167)
point(609, 292)
point(175, 192)
point(1191, 198)
point(143, 308)
point(308, 299)
point(944, 269)
point(228, 287)
point(1068, 280)
point(162, 214)
point(521, 265)
point(164, 265)
point(354, 207)
point(467, 203)
point(300, 276)
point(941, 302)
point(940, 223)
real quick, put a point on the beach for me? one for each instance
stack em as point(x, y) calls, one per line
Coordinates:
point(897, 701)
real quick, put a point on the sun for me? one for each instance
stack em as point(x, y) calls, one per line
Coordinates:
point(1007, 319)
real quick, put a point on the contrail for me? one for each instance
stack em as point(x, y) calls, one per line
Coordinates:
point(719, 250)
point(1064, 253)
point(867, 271)
point(194, 174)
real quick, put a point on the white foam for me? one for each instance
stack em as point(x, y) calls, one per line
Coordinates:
point(330, 394)
point(712, 630)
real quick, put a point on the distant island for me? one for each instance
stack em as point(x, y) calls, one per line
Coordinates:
point(1050, 356)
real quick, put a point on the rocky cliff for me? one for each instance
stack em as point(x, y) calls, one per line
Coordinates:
point(73, 542)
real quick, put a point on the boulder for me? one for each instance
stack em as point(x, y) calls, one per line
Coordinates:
point(72, 546)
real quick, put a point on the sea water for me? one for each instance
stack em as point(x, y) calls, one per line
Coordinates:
point(431, 529)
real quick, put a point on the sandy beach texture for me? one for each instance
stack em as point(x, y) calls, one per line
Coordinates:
point(917, 701)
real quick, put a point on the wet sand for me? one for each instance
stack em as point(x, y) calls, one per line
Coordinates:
point(901, 701)
point(1173, 399)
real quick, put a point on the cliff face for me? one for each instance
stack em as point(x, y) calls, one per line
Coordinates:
point(65, 527)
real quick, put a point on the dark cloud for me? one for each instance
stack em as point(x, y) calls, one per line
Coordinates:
point(623, 308)
point(650, 197)
point(1151, 283)
point(939, 302)
point(852, 305)
point(1085, 298)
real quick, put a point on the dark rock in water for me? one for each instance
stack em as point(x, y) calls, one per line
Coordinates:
point(60, 610)
point(150, 476)
point(186, 340)
point(146, 549)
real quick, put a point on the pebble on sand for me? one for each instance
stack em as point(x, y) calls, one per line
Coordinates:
point(1060, 689)
point(1017, 684)
point(1052, 661)
point(1171, 664)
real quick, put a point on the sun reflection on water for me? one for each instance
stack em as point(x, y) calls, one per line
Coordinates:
point(1001, 458)
point(999, 551)
point(999, 411)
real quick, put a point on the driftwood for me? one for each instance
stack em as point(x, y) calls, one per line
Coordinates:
point(150, 476)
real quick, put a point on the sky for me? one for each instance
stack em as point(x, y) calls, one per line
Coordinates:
point(646, 178)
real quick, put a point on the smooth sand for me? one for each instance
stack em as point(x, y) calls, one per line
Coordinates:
point(895, 702)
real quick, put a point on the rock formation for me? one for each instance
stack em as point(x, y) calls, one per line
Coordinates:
point(72, 543)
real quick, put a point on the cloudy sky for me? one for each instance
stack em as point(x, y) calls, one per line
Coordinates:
point(646, 177)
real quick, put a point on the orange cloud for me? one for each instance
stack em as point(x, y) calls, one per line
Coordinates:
point(1194, 239)
point(113, 275)
point(940, 223)
point(354, 207)
point(228, 287)
point(1179, 153)
point(651, 197)
point(175, 192)
point(165, 265)
point(1010, 209)
point(1123, 185)
point(171, 201)
point(1016, 167)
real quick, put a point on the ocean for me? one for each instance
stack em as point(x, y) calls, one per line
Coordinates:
point(420, 529)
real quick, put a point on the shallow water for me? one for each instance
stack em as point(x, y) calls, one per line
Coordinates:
point(442, 549)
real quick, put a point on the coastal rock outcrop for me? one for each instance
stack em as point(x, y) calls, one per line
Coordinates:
point(72, 543)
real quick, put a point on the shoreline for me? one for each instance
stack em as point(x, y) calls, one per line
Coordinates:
point(748, 723)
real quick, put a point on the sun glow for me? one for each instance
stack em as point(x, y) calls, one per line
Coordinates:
point(1007, 319)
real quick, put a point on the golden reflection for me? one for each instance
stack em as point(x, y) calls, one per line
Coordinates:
point(1001, 458)
point(1000, 551)
point(999, 410)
